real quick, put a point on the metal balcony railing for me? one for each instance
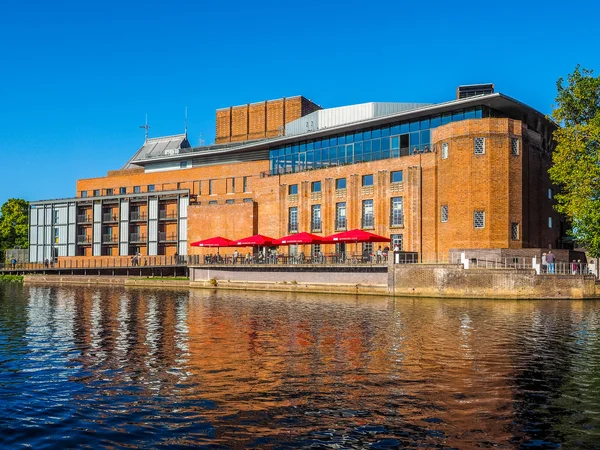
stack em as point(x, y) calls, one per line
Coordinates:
point(137, 237)
point(316, 225)
point(164, 215)
point(109, 217)
point(368, 222)
point(164, 237)
point(83, 218)
point(340, 224)
point(396, 220)
point(83, 239)
point(109, 238)
point(138, 216)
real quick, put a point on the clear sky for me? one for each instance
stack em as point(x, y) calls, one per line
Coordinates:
point(77, 78)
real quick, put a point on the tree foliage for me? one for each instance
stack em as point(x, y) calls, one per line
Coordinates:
point(14, 224)
point(576, 159)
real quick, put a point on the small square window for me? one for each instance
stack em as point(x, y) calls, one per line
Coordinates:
point(340, 183)
point(479, 146)
point(396, 176)
point(367, 180)
point(293, 189)
point(514, 146)
point(183, 164)
point(96, 192)
point(514, 231)
point(445, 150)
point(109, 191)
point(316, 186)
point(444, 213)
point(83, 194)
point(136, 189)
point(479, 219)
point(150, 188)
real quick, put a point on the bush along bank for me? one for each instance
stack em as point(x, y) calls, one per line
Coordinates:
point(11, 278)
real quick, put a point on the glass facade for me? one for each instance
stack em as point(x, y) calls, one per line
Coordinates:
point(369, 144)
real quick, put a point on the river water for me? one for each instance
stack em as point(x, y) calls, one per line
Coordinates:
point(108, 367)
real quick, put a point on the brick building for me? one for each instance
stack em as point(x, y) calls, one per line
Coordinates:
point(467, 173)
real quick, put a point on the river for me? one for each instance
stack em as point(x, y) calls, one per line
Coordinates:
point(109, 367)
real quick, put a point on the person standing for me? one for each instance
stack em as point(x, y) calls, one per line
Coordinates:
point(550, 259)
point(544, 263)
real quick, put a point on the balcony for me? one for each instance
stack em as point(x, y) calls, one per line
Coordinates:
point(84, 218)
point(293, 227)
point(138, 216)
point(368, 222)
point(316, 225)
point(340, 224)
point(137, 237)
point(167, 237)
point(109, 239)
point(83, 239)
point(109, 217)
point(396, 220)
point(165, 215)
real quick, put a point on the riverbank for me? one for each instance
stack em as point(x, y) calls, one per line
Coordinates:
point(105, 280)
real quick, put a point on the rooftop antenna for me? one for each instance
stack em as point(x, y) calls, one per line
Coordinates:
point(201, 141)
point(186, 122)
point(146, 127)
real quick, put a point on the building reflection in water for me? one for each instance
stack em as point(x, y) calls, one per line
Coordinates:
point(287, 366)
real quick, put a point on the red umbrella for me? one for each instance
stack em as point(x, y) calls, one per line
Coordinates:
point(216, 241)
point(299, 238)
point(356, 235)
point(257, 239)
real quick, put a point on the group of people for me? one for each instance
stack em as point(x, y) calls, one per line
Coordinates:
point(135, 259)
point(549, 264)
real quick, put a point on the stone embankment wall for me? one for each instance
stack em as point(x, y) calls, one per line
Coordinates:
point(104, 279)
point(448, 280)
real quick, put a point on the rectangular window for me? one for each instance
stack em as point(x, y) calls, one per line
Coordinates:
point(549, 222)
point(150, 188)
point(397, 241)
point(367, 180)
point(247, 200)
point(56, 235)
point(233, 185)
point(230, 201)
point(367, 248)
point(514, 146)
point(396, 176)
point(212, 202)
point(55, 218)
point(96, 192)
point(245, 184)
point(445, 150)
point(122, 190)
point(230, 185)
point(315, 218)
point(315, 186)
point(83, 194)
point(293, 219)
point(514, 231)
point(136, 189)
point(550, 193)
point(479, 146)
point(293, 189)
point(479, 219)
point(210, 187)
point(340, 216)
point(183, 164)
point(340, 183)
point(444, 213)
point(368, 220)
point(109, 191)
point(397, 211)
point(316, 252)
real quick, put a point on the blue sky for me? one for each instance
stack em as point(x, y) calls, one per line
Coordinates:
point(77, 78)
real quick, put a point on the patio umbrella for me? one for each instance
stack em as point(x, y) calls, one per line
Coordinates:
point(356, 236)
point(257, 239)
point(299, 238)
point(216, 241)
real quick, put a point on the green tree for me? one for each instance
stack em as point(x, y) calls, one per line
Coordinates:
point(576, 159)
point(14, 224)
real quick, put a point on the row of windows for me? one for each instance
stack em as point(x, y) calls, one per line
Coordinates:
point(390, 141)
point(340, 183)
point(479, 221)
point(479, 147)
point(230, 188)
point(367, 219)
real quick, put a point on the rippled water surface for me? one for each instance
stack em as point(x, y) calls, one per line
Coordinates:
point(132, 368)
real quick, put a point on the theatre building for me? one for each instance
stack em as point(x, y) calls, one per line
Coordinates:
point(467, 173)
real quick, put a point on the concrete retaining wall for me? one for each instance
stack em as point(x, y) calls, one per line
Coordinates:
point(446, 280)
point(103, 279)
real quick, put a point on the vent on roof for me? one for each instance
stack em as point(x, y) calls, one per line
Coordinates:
point(471, 90)
point(171, 151)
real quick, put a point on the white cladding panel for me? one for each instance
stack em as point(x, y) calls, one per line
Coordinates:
point(124, 210)
point(63, 212)
point(152, 248)
point(153, 208)
point(123, 249)
point(183, 229)
point(183, 206)
point(167, 165)
point(183, 248)
point(71, 234)
point(33, 216)
point(124, 232)
point(62, 234)
point(33, 253)
point(33, 235)
point(97, 233)
point(96, 250)
point(97, 212)
point(40, 214)
point(48, 214)
point(152, 230)
point(71, 250)
point(72, 213)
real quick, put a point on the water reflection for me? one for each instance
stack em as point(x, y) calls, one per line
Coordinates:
point(144, 368)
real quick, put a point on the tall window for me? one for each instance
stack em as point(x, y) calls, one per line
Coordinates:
point(514, 146)
point(293, 189)
point(340, 183)
point(549, 222)
point(340, 216)
point(396, 176)
point(230, 185)
point(479, 219)
point(122, 190)
point(367, 180)
point(56, 235)
point(397, 211)
point(444, 213)
point(367, 248)
point(479, 146)
point(367, 214)
point(315, 218)
point(210, 187)
point(397, 240)
point(514, 231)
point(109, 191)
point(550, 193)
point(83, 194)
point(55, 218)
point(136, 189)
point(293, 220)
point(96, 192)
point(315, 186)
point(445, 150)
point(150, 188)
point(245, 184)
